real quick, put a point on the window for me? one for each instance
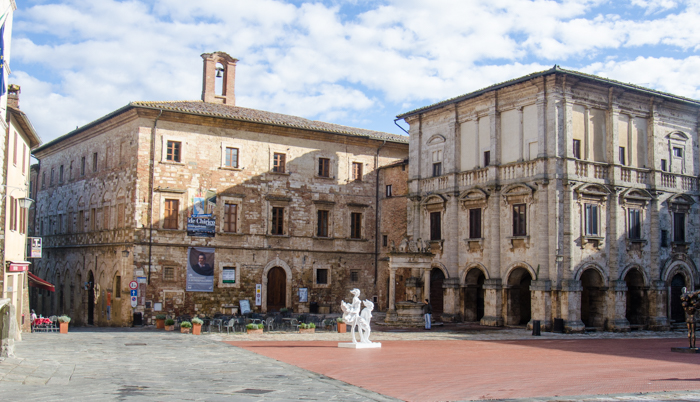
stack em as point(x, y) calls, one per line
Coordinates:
point(678, 227)
point(70, 171)
point(322, 227)
point(60, 174)
point(277, 220)
point(23, 220)
point(118, 286)
point(357, 171)
point(591, 219)
point(385, 240)
point(93, 220)
point(82, 166)
point(43, 180)
point(388, 190)
point(230, 217)
point(435, 226)
point(51, 180)
point(322, 276)
point(475, 223)
point(278, 163)
point(14, 156)
point(622, 155)
point(324, 167)
point(24, 158)
point(634, 229)
point(168, 274)
point(94, 162)
point(678, 152)
point(173, 151)
point(664, 165)
point(519, 220)
point(664, 238)
point(231, 157)
point(105, 218)
point(12, 213)
point(577, 149)
point(354, 276)
point(172, 208)
point(437, 169)
point(487, 158)
point(355, 225)
point(228, 275)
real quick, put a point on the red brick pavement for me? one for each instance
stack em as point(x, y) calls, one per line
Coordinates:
point(457, 370)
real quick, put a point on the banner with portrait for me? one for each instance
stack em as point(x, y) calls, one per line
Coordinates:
point(200, 269)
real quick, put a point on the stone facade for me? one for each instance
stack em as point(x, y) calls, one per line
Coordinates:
point(291, 198)
point(558, 195)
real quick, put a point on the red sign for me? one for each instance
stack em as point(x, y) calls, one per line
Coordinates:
point(18, 267)
point(133, 285)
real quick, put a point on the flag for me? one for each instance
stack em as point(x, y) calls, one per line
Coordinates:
point(3, 86)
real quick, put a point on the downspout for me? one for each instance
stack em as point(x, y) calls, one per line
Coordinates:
point(397, 125)
point(376, 214)
point(151, 179)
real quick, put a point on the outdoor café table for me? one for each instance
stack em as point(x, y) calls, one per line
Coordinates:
point(41, 324)
point(40, 321)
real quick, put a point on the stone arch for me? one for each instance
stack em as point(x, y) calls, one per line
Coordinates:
point(440, 266)
point(520, 264)
point(680, 263)
point(470, 267)
point(588, 265)
point(636, 280)
point(638, 267)
point(436, 139)
point(593, 295)
point(518, 295)
point(277, 262)
point(473, 292)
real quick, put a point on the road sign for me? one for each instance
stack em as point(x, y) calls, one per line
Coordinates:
point(133, 301)
point(134, 292)
point(133, 285)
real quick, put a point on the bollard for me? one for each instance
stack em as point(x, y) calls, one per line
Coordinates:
point(535, 327)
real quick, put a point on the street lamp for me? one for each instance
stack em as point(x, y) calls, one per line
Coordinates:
point(25, 203)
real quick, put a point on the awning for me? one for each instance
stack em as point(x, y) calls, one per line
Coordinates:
point(40, 283)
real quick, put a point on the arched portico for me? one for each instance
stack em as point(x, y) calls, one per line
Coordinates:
point(473, 292)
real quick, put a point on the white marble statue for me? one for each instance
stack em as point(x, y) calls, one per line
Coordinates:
point(365, 320)
point(360, 319)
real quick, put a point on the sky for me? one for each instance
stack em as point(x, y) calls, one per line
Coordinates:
point(356, 62)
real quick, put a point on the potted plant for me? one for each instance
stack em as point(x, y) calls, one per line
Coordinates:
point(197, 326)
point(169, 324)
point(160, 321)
point(63, 321)
point(307, 328)
point(255, 328)
point(185, 327)
point(341, 325)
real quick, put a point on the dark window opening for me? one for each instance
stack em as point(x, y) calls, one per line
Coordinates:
point(678, 227)
point(664, 165)
point(435, 226)
point(324, 167)
point(322, 276)
point(385, 240)
point(577, 149)
point(355, 225)
point(277, 220)
point(591, 219)
point(322, 227)
point(437, 169)
point(487, 158)
point(622, 156)
point(635, 227)
point(519, 220)
point(475, 223)
point(354, 276)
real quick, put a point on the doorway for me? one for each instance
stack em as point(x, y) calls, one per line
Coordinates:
point(677, 285)
point(592, 299)
point(91, 299)
point(519, 297)
point(276, 289)
point(636, 298)
point(437, 277)
point(474, 295)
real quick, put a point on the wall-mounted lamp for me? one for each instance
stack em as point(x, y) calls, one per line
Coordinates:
point(125, 253)
point(25, 203)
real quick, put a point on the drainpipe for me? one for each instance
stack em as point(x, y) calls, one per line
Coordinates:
point(151, 179)
point(376, 214)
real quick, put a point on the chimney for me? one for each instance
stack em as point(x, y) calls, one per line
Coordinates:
point(218, 63)
point(13, 96)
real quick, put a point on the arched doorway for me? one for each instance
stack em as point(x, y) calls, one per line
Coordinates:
point(474, 295)
point(677, 285)
point(90, 299)
point(519, 297)
point(592, 299)
point(636, 298)
point(437, 277)
point(276, 289)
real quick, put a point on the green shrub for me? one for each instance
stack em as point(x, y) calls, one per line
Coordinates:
point(169, 322)
point(160, 317)
point(261, 326)
point(197, 321)
point(186, 324)
point(307, 326)
point(312, 325)
point(63, 318)
point(340, 320)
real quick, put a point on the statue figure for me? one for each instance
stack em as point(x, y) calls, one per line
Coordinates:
point(354, 318)
point(365, 320)
point(403, 246)
point(690, 303)
point(412, 246)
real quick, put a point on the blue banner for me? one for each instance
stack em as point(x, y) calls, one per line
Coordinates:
point(201, 227)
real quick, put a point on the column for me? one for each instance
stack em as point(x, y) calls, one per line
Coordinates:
point(451, 300)
point(493, 303)
point(391, 314)
point(541, 307)
point(571, 306)
point(617, 307)
point(658, 310)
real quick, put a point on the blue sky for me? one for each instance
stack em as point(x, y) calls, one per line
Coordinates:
point(357, 63)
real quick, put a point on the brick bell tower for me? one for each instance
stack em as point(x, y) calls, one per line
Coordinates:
point(215, 64)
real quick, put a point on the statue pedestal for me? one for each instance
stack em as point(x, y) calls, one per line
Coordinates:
point(360, 345)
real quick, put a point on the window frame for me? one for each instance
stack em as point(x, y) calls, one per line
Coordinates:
point(475, 228)
point(227, 160)
point(356, 225)
point(679, 233)
point(225, 215)
point(388, 191)
point(323, 223)
point(634, 223)
point(357, 171)
point(576, 151)
point(519, 220)
point(591, 218)
point(167, 220)
point(279, 162)
point(324, 167)
point(435, 218)
point(173, 151)
point(437, 169)
point(277, 220)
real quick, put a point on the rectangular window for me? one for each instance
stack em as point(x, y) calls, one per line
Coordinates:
point(43, 180)
point(388, 190)
point(51, 180)
point(577, 149)
point(324, 167)
point(519, 220)
point(231, 157)
point(385, 240)
point(118, 286)
point(70, 171)
point(679, 227)
point(14, 157)
point(354, 276)
point(355, 225)
point(678, 152)
point(622, 156)
point(357, 171)
point(634, 224)
point(277, 221)
point(81, 222)
point(230, 217)
point(23, 220)
point(322, 226)
point(437, 169)
point(93, 220)
point(664, 238)
point(173, 151)
point(82, 166)
point(60, 174)
point(435, 226)
point(475, 223)
point(279, 162)
point(664, 165)
point(94, 162)
point(105, 218)
point(322, 276)
point(591, 219)
point(168, 274)
point(487, 158)
point(12, 213)
point(172, 208)
point(24, 158)
point(228, 275)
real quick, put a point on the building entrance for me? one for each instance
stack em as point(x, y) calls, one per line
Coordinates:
point(592, 299)
point(276, 289)
point(91, 299)
point(474, 295)
point(519, 298)
point(437, 277)
point(677, 285)
point(636, 298)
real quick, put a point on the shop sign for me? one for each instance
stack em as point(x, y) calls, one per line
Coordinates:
point(201, 227)
point(35, 247)
point(17, 267)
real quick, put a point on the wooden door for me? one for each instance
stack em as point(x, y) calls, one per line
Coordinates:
point(436, 292)
point(677, 284)
point(276, 289)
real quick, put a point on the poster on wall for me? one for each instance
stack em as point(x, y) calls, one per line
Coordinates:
point(203, 203)
point(200, 269)
point(258, 294)
point(303, 295)
point(201, 227)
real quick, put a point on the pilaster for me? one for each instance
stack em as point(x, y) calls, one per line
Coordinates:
point(658, 306)
point(493, 303)
point(617, 307)
point(541, 293)
point(571, 306)
point(451, 288)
